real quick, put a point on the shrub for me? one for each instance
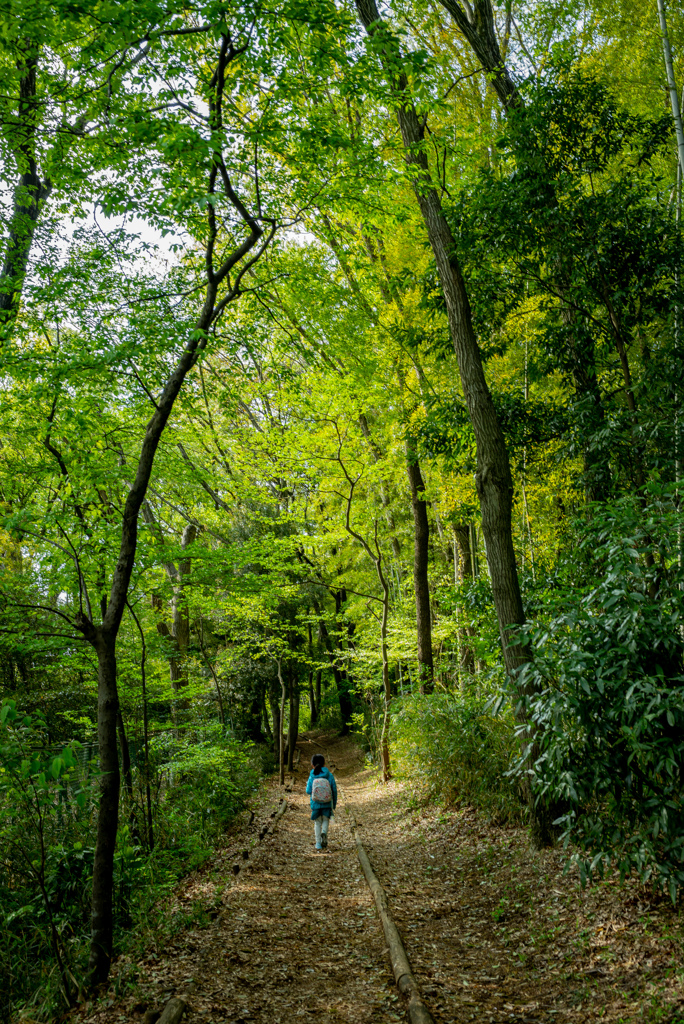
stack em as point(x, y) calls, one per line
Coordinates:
point(458, 750)
point(44, 869)
point(609, 698)
point(205, 784)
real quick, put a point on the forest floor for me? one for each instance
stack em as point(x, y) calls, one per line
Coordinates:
point(494, 931)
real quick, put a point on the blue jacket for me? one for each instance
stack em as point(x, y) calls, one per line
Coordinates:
point(315, 805)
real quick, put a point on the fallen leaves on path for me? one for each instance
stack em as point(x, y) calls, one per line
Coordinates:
point(495, 932)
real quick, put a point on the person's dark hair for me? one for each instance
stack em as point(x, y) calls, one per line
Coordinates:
point(317, 762)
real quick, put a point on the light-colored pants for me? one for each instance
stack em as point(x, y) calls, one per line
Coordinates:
point(321, 828)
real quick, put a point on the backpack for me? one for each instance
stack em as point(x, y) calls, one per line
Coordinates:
point(321, 790)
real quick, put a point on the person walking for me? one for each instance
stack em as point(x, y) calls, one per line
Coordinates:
point(322, 789)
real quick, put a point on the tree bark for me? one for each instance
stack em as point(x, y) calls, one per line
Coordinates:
point(103, 637)
point(264, 714)
point(108, 809)
point(317, 692)
point(29, 196)
point(672, 85)
point(125, 757)
point(273, 700)
point(181, 613)
point(420, 570)
point(476, 22)
point(281, 753)
point(342, 681)
point(493, 477)
point(313, 704)
point(293, 724)
point(465, 572)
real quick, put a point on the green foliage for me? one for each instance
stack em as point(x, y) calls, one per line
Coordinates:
point(46, 804)
point(456, 750)
point(205, 783)
point(608, 698)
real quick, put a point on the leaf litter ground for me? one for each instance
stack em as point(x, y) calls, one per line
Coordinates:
point(495, 931)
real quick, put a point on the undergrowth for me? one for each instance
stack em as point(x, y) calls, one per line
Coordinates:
point(48, 808)
point(452, 748)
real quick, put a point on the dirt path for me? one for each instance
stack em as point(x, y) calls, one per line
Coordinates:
point(298, 937)
point(497, 932)
point(494, 932)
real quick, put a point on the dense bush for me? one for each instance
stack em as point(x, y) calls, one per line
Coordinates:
point(203, 784)
point(47, 818)
point(46, 805)
point(457, 750)
point(609, 703)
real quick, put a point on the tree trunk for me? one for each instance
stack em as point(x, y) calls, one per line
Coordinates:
point(493, 478)
point(293, 724)
point(103, 637)
point(343, 684)
point(28, 199)
point(264, 715)
point(313, 708)
point(125, 757)
point(340, 676)
point(386, 685)
point(313, 705)
point(108, 810)
point(465, 572)
point(253, 730)
point(420, 570)
point(476, 22)
point(275, 715)
point(146, 735)
point(283, 698)
point(672, 85)
point(181, 614)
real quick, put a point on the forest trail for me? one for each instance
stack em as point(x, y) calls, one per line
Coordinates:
point(494, 932)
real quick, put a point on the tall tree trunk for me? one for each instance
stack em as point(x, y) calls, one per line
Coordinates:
point(378, 454)
point(108, 808)
point(589, 408)
point(264, 715)
point(476, 22)
point(465, 572)
point(671, 84)
point(313, 704)
point(125, 757)
point(293, 725)
point(493, 477)
point(283, 698)
point(29, 196)
point(313, 707)
point(253, 730)
point(181, 613)
point(342, 680)
point(146, 734)
point(420, 569)
point(273, 700)
point(386, 685)
point(103, 637)
point(317, 692)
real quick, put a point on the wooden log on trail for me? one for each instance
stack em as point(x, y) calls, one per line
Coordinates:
point(277, 815)
point(406, 982)
point(173, 1011)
